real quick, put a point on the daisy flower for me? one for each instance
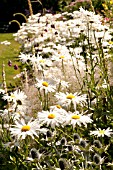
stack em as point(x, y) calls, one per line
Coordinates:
point(58, 108)
point(44, 85)
point(68, 98)
point(51, 118)
point(5, 42)
point(6, 114)
point(20, 130)
point(2, 91)
point(16, 96)
point(42, 62)
point(77, 119)
point(102, 132)
point(17, 115)
point(24, 58)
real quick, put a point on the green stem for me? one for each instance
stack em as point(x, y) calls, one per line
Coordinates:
point(76, 72)
point(21, 15)
point(15, 21)
point(64, 133)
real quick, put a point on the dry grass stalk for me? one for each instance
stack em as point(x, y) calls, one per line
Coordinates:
point(4, 79)
point(30, 7)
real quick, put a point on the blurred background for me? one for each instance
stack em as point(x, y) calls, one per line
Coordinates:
point(10, 7)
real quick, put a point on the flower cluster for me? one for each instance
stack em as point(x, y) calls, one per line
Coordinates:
point(61, 117)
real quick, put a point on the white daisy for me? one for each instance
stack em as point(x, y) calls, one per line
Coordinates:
point(68, 98)
point(20, 130)
point(52, 118)
point(41, 63)
point(16, 96)
point(44, 85)
point(6, 114)
point(5, 42)
point(102, 132)
point(17, 115)
point(24, 58)
point(2, 91)
point(57, 108)
point(77, 119)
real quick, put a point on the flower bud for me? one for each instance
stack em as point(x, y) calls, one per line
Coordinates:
point(16, 67)
point(49, 134)
point(34, 153)
point(62, 164)
point(63, 141)
point(96, 159)
point(9, 63)
point(97, 143)
point(83, 143)
point(70, 147)
point(76, 136)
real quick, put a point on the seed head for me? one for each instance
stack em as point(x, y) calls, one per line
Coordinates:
point(49, 134)
point(76, 136)
point(97, 159)
point(63, 141)
point(62, 164)
point(34, 153)
point(16, 67)
point(83, 143)
point(97, 143)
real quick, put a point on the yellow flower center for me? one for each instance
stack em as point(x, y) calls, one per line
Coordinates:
point(51, 116)
point(74, 116)
point(45, 84)
point(61, 57)
point(18, 113)
point(101, 132)
point(42, 61)
point(110, 42)
point(70, 96)
point(25, 128)
point(58, 106)
point(12, 96)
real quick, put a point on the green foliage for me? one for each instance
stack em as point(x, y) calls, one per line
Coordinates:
point(98, 5)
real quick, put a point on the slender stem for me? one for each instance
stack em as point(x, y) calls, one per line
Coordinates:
point(30, 7)
point(76, 73)
point(92, 7)
point(15, 22)
point(64, 133)
point(21, 15)
point(63, 70)
point(4, 78)
point(45, 100)
point(59, 86)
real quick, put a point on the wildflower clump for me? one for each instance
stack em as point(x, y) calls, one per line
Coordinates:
point(61, 118)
